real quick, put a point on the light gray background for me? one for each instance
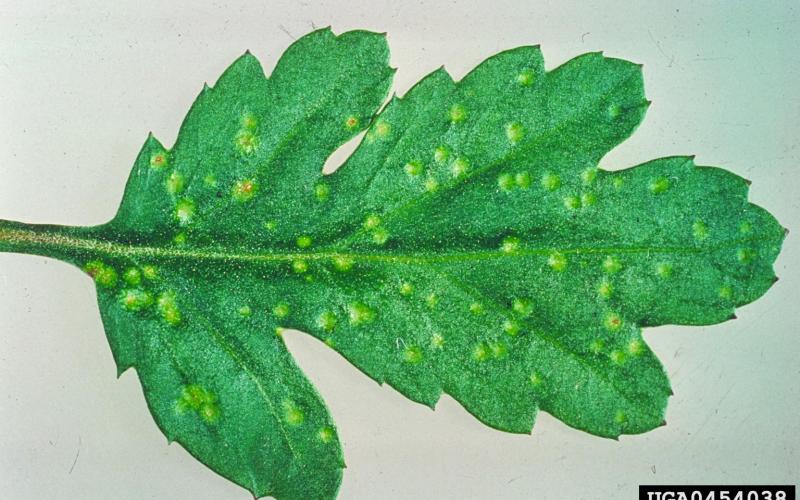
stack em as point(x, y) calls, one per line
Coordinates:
point(80, 86)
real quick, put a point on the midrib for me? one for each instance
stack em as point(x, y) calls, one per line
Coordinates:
point(26, 240)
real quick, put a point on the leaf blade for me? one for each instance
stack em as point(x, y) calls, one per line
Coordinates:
point(470, 246)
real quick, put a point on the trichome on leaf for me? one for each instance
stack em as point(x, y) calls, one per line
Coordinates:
point(469, 246)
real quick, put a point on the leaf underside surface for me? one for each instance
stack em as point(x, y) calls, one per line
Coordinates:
point(469, 246)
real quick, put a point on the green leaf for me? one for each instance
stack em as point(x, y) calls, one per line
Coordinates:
point(469, 246)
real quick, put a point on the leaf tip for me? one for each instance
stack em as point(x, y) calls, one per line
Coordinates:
point(663, 423)
point(152, 143)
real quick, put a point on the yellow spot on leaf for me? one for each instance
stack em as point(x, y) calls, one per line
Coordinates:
point(343, 263)
point(459, 167)
point(431, 184)
point(589, 175)
point(150, 273)
point(612, 321)
point(372, 221)
point(159, 160)
point(360, 313)
point(325, 434)
point(745, 255)
point(292, 414)
point(432, 300)
point(246, 142)
point(699, 230)
point(612, 265)
point(514, 132)
point(511, 327)
point(209, 413)
point(441, 154)
point(102, 274)
point(179, 239)
point(351, 122)
point(184, 211)
point(382, 128)
point(380, 236)
point(664, 270)
point(210, 180)
point(617, 357)
point(605, 290)
point(132, 276)
point(523, 180)
point(457, 113)
point(523, 307)
point(659, 185)
point(505, 182)
point(244, 190)
point(281, 310)
point(511, 244)
point(168, 308)
point(249, 121)
point(299, 266)
point(322, 191)
point(551, 182)
point(526, 77)
point(175, 183)
point(745, 228)
point(200, 400)
point(412, 354)
point(413, 168)
point(135, 299)
point(557, 261)
point(635, 347)
point(572, 202)
point(498, 349)
point(481, 352)
point(327, 321)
